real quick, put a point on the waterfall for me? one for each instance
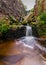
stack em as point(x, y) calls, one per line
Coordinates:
point(28, 30)
point(28, 40)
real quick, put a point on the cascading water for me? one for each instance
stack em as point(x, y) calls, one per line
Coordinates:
point(28, 40)
point(28, 30)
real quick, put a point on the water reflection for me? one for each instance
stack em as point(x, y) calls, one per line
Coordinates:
point(20, 52)
point(12, 59)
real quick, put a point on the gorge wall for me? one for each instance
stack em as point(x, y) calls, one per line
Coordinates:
point(12, 7)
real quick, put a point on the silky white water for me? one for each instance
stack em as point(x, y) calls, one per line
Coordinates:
point(28, 30)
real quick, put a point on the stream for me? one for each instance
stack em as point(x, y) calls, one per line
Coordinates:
point(22, 51)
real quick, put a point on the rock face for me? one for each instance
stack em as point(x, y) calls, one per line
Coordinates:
point(12, 7)
point(40, 6)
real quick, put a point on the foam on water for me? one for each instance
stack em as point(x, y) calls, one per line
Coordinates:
point(28, 41)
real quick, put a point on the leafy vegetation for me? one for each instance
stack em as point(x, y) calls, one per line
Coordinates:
point(8, 24)
point(13, 20)
point(10, 28)
point(42, 24)
point(4, 28)
point(43, 16)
